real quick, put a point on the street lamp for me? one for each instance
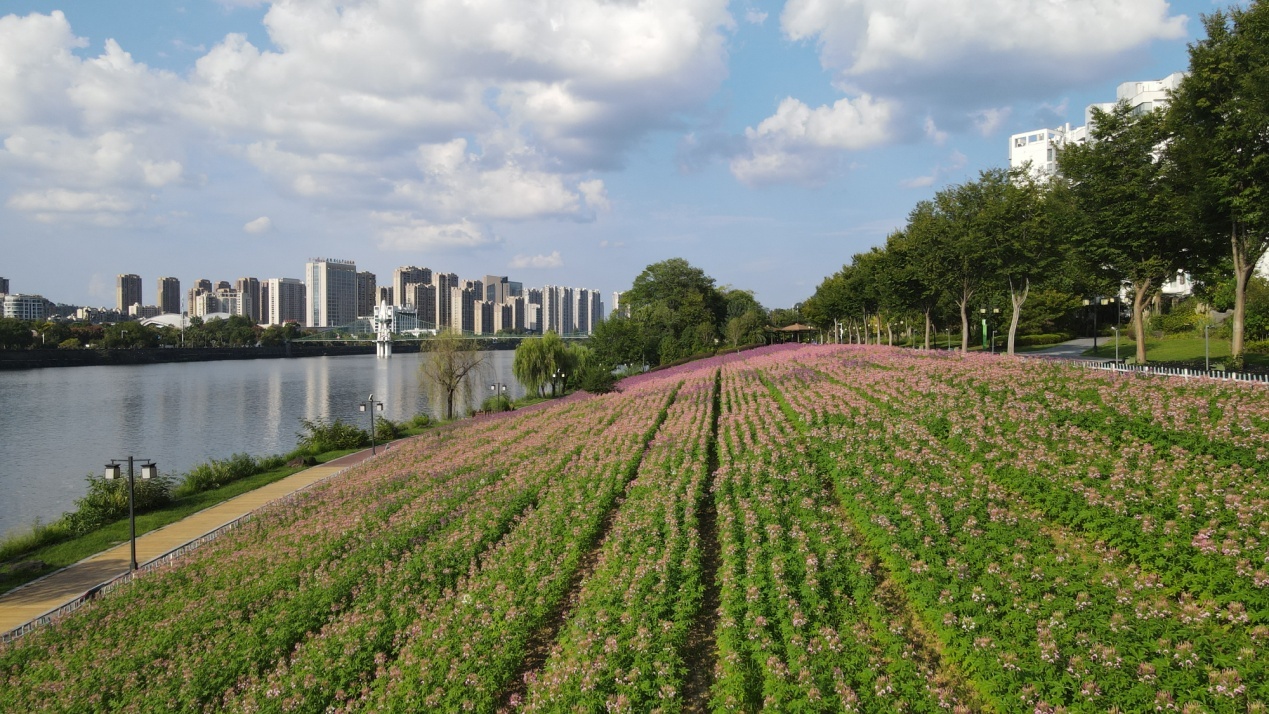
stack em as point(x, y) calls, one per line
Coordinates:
point(370, 406)
point(148, 471)
point(1094, 304)
point(556, 376)
point(1116, 329)
point(1207, 353)
point(498, 388)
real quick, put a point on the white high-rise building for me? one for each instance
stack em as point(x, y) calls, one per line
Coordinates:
point(331, 292)
point(282, 300)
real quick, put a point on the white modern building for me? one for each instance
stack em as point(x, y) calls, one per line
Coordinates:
point(331, 292)
point(26, 307)
point(282, 300)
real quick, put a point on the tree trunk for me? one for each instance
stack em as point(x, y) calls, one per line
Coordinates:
point(928, 327)
point(964, 305)
point(449, 405)
point(1017, 298)
point(1140, 295)
point(1245, 258)
point(865, 323)
point(889, 335)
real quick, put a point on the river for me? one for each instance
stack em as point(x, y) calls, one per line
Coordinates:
point(59, 425)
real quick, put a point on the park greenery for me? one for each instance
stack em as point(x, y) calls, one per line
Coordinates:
point(1151, 193)
point(791, 528)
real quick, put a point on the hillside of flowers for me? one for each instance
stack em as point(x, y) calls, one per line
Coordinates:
point(795, 528)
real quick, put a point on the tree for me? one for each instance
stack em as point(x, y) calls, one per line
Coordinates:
point(14, 334)
point(1220, 120)
point(956, 233)
point(1024, 246)
point(619, 341)
point(450, 366)
point(676, 312)
point(1126, 219)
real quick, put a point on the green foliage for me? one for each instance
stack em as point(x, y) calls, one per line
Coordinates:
point(107, 500)
point(596, 378)
point(317, 436)
point(1041, 340)
point(70, 343)
point(420, 421)
point(674, 310)
point(496, 403)
point(218, 472)
point(15, 334)
point(386, 430)
point(450, 366)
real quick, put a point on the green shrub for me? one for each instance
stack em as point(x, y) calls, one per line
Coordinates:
point(1258, 347)
point(420, 421)
point(496, 403)
point(386, 430)
point(319, 436)
point(107, 500)
point(218, 472)
point(597, 379)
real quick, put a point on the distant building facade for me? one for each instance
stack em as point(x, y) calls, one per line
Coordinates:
point(169, 296)
point(331, 292)
point(127, 291)
point(283, 300)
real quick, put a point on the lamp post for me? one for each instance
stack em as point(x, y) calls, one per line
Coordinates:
point(949, 339)
point(148, 471)
point(1116, 329)
point(498, 388)
point(1094, 304)
point(1207, 354)
point(556, 376)
point(369, 407)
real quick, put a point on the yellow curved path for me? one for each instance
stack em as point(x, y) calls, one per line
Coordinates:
point(28, 602)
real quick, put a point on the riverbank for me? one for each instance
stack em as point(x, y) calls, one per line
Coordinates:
point(90, 357)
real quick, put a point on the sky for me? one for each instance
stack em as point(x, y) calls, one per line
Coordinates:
point(566, 142)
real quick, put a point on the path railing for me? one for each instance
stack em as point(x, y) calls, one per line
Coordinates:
point(1145, 369)
point(170, 556)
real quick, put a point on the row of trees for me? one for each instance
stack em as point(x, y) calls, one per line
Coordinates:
point(1149, 194)
point(236, 331)
point(674, 310)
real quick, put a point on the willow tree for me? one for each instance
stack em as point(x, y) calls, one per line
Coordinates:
point(1126, 218)
point(450, 366)
point(1220, 118)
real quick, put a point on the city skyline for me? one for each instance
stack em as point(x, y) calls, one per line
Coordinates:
point(763, 142)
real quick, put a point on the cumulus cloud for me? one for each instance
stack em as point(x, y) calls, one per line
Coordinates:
point(755, 17)
point(404, 232)
point(537, 261)
point(802, 144)
point(447, 112)
point(862, 38)
point(955, 162)
point(260, 225)
point(988, 121)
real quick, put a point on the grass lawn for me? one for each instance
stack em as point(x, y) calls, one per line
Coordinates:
point(67, 552)
point(1183, 351)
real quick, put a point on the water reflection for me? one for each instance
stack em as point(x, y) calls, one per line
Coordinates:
point(57, 425)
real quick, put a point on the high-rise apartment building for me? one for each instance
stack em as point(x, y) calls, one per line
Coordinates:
point(497, 288)
point(25, 307)
point(248, 298)
point(408, 274)
point(462, 309)
point(331, 292)
point(4, 286)
point(367, 294)
point(203, 285)
point(282, 300)
point(422, 297)
point(445, 282)
point(127, 291)
point(169, 296)
point(559, 307)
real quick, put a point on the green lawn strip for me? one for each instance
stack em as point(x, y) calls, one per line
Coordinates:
point(59, 555)
point(1186, 351)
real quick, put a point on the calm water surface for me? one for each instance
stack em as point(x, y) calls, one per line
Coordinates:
point(58, 425)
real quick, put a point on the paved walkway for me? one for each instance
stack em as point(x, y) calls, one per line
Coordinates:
point(1072, 349)
point(26, 603)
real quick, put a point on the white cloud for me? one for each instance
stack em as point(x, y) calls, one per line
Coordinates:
point(861, 37)
point(537, 261)
point(933, 133)
point(350, 102)
point(260, 225)
point(988, 121)
point(755, 17)
point(402, 231)
point(955, 162)
point(801, 144)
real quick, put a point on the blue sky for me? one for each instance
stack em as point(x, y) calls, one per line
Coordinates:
point(555, 141)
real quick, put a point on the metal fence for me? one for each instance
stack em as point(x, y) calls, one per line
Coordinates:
point(1145, 369)
point(167, 558)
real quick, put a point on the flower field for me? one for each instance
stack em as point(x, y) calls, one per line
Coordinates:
point(832, 528)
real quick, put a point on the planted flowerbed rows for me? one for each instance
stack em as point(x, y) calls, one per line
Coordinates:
point(873, 530)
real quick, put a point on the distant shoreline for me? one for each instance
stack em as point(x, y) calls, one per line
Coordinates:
point(45, 358)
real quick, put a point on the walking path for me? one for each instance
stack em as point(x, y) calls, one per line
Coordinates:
point(1071, 349)
point(30, 601)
